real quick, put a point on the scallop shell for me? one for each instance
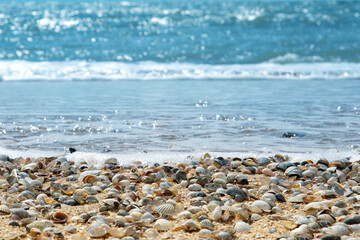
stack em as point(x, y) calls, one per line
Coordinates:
point(59, 217)
point(163, 225)
point(18, 214)
point(80, 196)
point(4, 210)
point(97, 230)
point(229, 209)
point(165, 209)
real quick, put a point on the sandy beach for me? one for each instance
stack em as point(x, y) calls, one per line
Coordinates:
point(211, 198)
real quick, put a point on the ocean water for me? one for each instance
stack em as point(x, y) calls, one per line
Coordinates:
point(169, 80)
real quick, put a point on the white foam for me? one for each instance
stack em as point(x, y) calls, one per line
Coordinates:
point(82, 70)
point(96, 160)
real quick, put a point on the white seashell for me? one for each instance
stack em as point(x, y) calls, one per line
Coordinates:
point(264, 206)
point(136, 215)
point(241, 227)
point(205, 234)
point(217, 213)
point(163, 225)
point(117, 232)
point(225, 216)
point(166, 209)
point(185, 214)
point(96, 230)
point(151, 234)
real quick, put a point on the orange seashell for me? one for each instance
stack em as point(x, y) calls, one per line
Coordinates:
point(59, 217)
point(90, 179)
point(67, 189)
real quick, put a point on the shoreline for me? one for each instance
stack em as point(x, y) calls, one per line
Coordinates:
point(209, 198)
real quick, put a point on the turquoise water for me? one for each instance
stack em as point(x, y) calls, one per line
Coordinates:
point(165, 79)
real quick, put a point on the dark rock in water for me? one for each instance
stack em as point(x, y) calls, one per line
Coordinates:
point(330, 237)
point(72, 150)
point(292, 135)
point(354, 219)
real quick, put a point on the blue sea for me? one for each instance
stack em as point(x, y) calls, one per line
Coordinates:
point(162, 80)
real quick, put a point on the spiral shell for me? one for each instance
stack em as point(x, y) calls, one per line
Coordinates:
point(165, 209)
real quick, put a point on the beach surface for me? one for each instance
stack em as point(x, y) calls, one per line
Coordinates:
point(208, 198)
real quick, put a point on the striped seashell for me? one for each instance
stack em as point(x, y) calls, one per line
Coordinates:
point(4, 210)
point(207, 224)
point(165, 209)
point(18, 213)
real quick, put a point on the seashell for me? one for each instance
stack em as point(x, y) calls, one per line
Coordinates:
point(112, 203)
point(4, 210)
point(190, 226)
point(67, 189)
point(80, 196)
point(262, 205)
point(184, 214)
point(217, 214)
point(26, 221)
point(166, 209)
point(79, 236)
point(241, 226)
point(152, 234)
point(136, 215)
point(205, 234)
point(117, 232)
point(59, 217)
point(41, 225)
point(91, 179)
point(242, 214)
point(197, 215)
point(207, 224)
point(268, 172)
point(18, 214)
point(354, 219)
point(97, 230)
point(163, 225)
point(314, 207)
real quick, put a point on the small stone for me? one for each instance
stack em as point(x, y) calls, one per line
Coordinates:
point(354, 219)
point(223, 236)
point(255, 217)
point(351, 200)
point(272, 230)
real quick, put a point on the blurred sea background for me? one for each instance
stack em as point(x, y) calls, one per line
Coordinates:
point(169, 80)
